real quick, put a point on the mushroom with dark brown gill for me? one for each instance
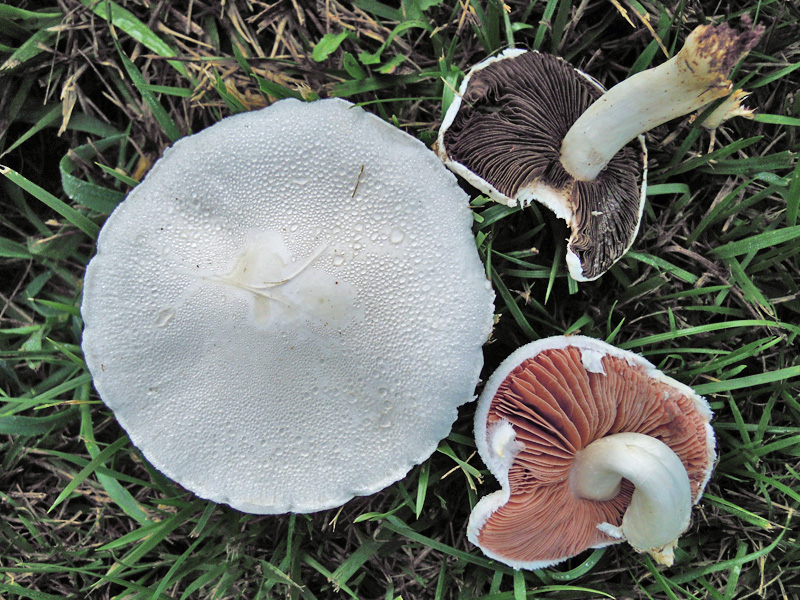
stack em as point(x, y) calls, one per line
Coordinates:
point(592, 446)
point(528, 126)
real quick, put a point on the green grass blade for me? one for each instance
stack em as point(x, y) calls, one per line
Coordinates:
point(708, 328)
point(20, 592)
point(748, 381)
point(29, 16)
point(792, 197)
point(758, 242)
point(70, 214)
point(159, 112)
point(31, 48)
point(37, 426)
point(89, 469)
point(91, 195)
point(10, 249)
point(47, 120)
point(126, 21)
point(119, 494)
point(544, 23)
point(367, 549)
point(512, 306)
point(394, 524)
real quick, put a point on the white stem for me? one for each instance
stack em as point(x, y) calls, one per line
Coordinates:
point(662, 501)
point(694, 77)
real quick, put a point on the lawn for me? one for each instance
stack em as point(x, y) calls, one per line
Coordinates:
point(93, 92)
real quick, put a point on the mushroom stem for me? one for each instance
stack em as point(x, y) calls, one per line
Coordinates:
point(695, 76)
point(662, 501)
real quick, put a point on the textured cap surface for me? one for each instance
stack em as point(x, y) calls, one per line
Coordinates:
point(289, 309)
point(504, 133)
point(546, 402)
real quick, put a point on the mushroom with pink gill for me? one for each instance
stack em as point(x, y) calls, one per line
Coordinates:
point(591, 446)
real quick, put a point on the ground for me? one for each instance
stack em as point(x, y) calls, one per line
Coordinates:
point(92, 93)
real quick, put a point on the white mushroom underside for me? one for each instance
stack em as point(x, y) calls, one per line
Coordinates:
point(275, 310)
point(593, 352)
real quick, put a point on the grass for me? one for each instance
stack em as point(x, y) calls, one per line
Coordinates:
point(91, 93)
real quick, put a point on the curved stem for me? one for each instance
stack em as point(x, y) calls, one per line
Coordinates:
point(694, 77)
point(662, 501)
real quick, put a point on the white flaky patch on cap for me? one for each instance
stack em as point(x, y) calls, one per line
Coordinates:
point(289, 309)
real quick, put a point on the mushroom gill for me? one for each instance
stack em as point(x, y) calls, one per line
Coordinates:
point(513, 116)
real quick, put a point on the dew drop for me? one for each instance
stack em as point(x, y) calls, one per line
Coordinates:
point(396, 236)
point(338, 260)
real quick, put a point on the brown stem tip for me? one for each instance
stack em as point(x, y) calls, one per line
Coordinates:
point(719, 47)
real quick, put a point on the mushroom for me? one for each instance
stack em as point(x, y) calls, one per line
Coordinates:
point(528, 126)
point(592, 446)
point(289, 309)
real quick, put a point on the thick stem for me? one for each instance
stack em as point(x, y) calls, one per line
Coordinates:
point(662, 500)
point(694, 77)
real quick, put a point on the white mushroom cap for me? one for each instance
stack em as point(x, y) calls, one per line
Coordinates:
point(289, 309)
